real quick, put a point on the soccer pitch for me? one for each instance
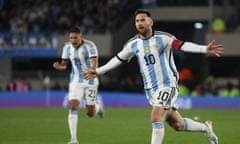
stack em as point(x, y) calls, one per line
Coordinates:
point(119, 126)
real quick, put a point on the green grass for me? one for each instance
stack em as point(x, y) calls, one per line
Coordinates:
point(120, 126)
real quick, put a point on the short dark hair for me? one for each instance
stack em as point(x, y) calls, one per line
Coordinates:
point(142, 11)
point(75, 29)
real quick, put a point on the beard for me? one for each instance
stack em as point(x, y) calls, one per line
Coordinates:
point(76, 45)
point(143, 32)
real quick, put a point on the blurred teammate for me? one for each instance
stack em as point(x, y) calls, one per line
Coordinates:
point(154, 53)
point(83, 55)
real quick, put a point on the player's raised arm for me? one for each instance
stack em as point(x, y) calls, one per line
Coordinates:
point(60, 66)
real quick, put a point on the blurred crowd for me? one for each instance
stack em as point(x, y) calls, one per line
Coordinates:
point(37, 23)
point(208, 87)
point(133, 83)
point(18, 85)
point(187, 85)
point(60, 15)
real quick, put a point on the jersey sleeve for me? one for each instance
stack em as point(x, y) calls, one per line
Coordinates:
point(111, 64)
point(65, 51)
point(171, 41)
point(93, 52)
point(187, 46)
point(194, 48)
point(175, 43)
point(126, 54)
point(123, 56)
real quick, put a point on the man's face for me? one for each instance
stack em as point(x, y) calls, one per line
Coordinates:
point(75, 39)
point(143, 23)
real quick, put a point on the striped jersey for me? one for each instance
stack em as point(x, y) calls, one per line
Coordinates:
point(80, 60)
point(155, 58)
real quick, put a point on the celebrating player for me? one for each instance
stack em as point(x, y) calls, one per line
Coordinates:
point(83, 55)
point(154, 52)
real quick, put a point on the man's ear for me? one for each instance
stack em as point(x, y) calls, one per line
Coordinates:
point(151, 21)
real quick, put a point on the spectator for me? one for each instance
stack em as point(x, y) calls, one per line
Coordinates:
point(30, 17)
point(197, 91)
point(218, 26)
point(209, 87)
point(183, 90)
point(229, 90)
point(18, 85)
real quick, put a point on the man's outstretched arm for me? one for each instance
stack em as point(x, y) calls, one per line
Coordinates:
point(111, 64)
point(211, 48)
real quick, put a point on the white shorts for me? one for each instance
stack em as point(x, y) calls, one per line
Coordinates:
point(162, 97)
point(79, 92)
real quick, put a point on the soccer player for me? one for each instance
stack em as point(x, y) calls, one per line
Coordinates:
point(83, 55)
point(154, 52)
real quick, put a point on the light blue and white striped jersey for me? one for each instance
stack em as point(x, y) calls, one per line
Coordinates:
point(80, 60)
point(155, 59)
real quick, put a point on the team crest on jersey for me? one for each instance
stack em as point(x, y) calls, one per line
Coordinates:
point(146, 48)
point(75, 53)
point(83, 53)
point(157, 47)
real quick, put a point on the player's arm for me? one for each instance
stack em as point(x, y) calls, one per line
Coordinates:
point(111, 64)
point(94, 62)
point(123, 56)
point(211, 48)
point(91, 73)
point(60, 65)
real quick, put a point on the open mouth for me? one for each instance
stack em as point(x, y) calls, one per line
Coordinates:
point(75, 45)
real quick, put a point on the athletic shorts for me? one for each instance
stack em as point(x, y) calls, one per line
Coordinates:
point(162, 97)
point(79, 91)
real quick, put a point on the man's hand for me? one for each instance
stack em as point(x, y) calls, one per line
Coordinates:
point(90, 74)
point(215, 49)
point(59, 66)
